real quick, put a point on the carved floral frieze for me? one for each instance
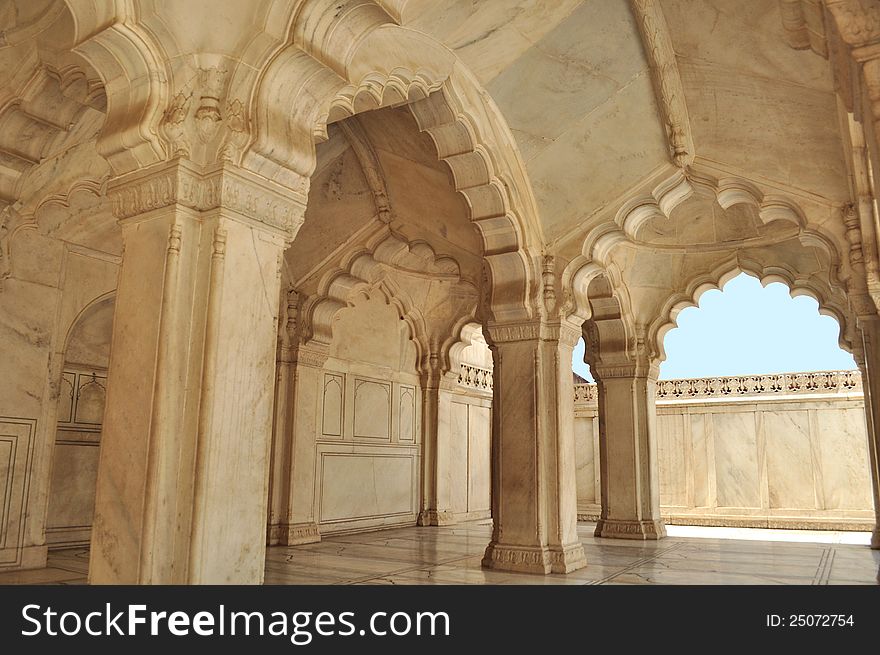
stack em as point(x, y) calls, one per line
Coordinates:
point(222, 187)
point(764, 386)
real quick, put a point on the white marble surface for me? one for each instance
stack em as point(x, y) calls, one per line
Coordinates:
point(794, 461)
point(451, 555)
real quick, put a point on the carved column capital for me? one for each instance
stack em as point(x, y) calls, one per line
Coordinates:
point(641, 369)
point(564, 331)
point(313, 355)
point(857, 21)
point(666, 78)
point(231, 190)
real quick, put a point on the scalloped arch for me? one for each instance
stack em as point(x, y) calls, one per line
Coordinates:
point(365, 269)
point(320, 78)
point(462, 336)
point(84, 312)
point(675, 190)
point(830, 303)
point(342, 289)
point(132, 66)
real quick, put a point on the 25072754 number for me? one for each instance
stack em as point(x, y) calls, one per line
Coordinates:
point(810, 621)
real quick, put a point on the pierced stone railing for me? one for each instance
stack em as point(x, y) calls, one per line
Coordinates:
point(585, 393)
point(780, 384)
point(475, 377)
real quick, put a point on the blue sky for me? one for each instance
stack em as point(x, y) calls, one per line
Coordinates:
point(747, 329)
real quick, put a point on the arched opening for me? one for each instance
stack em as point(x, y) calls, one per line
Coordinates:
point(470, 410)
point(384, 393)
point(761, 414)
point(369, 430)
point(81, 399)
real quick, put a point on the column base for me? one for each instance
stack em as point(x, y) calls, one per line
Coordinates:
point(643, 530)
point(431, 517)
point(875, 538)
point(534, 559)
point(293, 534)
point(28, 557)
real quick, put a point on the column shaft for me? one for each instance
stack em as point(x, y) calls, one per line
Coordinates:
point(182, 488)
point(436, 457)
point(628, 454)
point(870, 329)
point(534, 499)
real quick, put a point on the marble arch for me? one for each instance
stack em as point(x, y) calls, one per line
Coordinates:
point(536, 169)
point(282, 95)
point(364, 269)
point(831, 301)
point(674, 191)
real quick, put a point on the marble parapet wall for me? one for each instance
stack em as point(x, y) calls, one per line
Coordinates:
point(786, 450)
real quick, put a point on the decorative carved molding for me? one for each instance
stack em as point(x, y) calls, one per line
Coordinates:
point(38, 113)
point(312, 355)
point(436, 517)
point(213, 127)
point(372, 169)
point(548, 281)
point(534, 559)
point(665, 197)
point(526, 558)
point(586, 393)
point(858, 21)
point(667, 80)
point(853, 235)
point(222, 187)
point(841, 383)
point(804, 25)
point(9, 221)
point(647, 530)
point(563, 331)
point(293, 534)
point(829, 294)
point(642, 369)
point(475, 377)
point(516, 332)
point(782, 384)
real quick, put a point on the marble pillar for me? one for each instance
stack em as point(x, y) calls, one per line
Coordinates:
point(534, 497)
point(628, 464)
point(183, 474)
point(296, 428)
point(870, 329)
point(437, 443)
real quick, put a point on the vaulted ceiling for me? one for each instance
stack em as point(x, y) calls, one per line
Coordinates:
point(572, 78)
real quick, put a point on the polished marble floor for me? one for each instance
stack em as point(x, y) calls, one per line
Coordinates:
point(451, 555)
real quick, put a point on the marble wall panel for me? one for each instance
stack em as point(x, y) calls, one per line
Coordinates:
point(74, 476)
point(789, 459)
point(366, 447)
point(788, 462)
point(587, 466)
point(406, 413)
point(72, 500)
point(701, 463)
point(736, 459)
point(331, 423)
point(16, 455)
point(843, 449)
point(457, 470)
point(479, 463)
point(372, 409)
point(673, 460)
point(365, 486)
point(90, 398)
